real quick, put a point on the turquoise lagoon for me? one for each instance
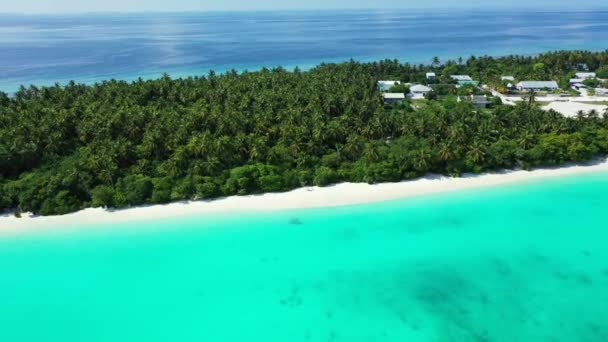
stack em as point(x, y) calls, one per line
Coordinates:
point(525, 262)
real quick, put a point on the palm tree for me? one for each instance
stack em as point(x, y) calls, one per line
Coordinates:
point(532, 97)
point(445, 152)
point(476, 153)
point(436, 61)
point(423, 158)
point(526, 140)
point(593, 115)
point(371, 153)
point(581, 115)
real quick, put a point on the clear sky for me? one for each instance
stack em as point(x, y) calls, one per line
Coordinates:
point(71, 6)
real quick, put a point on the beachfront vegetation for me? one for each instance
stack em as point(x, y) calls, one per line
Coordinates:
point(602, 72)
point(592, 83)
point(117, 144)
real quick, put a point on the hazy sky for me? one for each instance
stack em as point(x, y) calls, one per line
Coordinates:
point(64, 6)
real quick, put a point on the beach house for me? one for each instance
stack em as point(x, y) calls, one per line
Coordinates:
point(585, 75)
point(507, 78)
point(479, 101)
point(431, 76)
point(385, 86)
point(390, 98)
point(577, 83)
point(419, 91)
point(601, 92)
point(578, 86)
point(537, 85)
point(467, 82)
point(573, 81)
point(461, 78)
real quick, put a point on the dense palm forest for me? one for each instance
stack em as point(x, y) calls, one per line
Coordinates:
point(118, 144)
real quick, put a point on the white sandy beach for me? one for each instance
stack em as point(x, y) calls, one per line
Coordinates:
point(568, 107)
point(312, 197)
point(571, 109)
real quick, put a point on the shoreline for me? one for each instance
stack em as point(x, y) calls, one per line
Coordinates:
point(343, 194)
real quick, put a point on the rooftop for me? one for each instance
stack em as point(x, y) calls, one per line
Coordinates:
point(468, 82)
point(538, 84)
point(394, 96)
point(479, 99)
point(475, 99)
point(389, 82)
point(601, 91)
point(461, 77)
point(585, 75)
point(420, 88)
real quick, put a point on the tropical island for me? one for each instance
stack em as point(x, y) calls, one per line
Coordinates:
point(117, 144)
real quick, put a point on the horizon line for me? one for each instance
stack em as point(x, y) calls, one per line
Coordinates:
point(538, 9)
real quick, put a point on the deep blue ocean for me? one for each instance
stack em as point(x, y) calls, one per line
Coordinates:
point(88, 48)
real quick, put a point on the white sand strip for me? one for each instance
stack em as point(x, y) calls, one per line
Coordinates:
point(313, 197)
point(571, 109)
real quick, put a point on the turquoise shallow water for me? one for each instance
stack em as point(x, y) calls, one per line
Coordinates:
point(525, 262)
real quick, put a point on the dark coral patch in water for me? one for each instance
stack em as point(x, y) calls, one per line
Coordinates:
point(502, 267)
point(296, 221)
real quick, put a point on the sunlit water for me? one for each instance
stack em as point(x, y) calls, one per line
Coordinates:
point(524, 262)
point(47, 49)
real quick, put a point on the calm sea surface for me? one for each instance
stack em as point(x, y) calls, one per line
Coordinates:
point(526, 262)
point(48, 49)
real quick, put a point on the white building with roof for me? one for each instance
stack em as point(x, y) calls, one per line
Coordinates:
point(393, 97)
point(431, 76)
point(585, 75)
point(479, 101)
point(578, 86)
point(576, 80)
point(461, 77)
point(507, 78)
point(601, 92)
point(419, 91)
point(537, 85)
